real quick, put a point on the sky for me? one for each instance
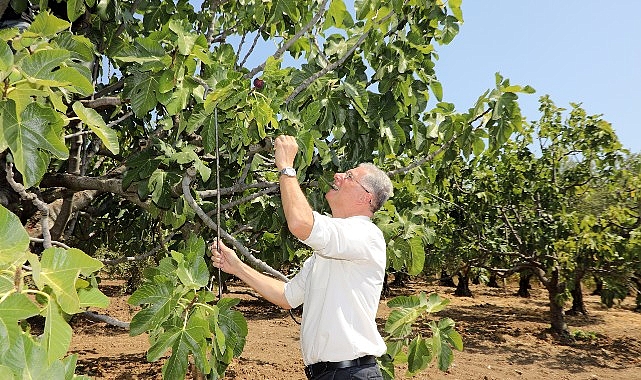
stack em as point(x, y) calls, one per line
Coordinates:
point(579, 51)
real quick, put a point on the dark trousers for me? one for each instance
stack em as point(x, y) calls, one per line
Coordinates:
point(361, 372)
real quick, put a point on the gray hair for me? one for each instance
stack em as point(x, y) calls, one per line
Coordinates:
point(378, 182)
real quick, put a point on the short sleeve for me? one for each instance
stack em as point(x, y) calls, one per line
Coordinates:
point(295, 288)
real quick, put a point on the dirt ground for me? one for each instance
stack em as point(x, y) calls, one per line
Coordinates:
point(505, 337)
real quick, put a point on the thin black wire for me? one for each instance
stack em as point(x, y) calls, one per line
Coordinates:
point(220, 279)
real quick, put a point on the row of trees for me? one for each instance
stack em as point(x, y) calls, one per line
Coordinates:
point(124, 122)
point(559, 202)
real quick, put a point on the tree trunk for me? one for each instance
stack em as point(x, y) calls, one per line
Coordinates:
point(463, 286)
point(446, 279)
point(599, 286)
point(578, 306)
point(637, 284)
point(524, 284)
point(386, 289)
point(492, 283)
point(400, 279)
point(557, 316)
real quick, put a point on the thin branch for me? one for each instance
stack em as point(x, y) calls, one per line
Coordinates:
point(272, 189)
point(334, 65)
point(102, 102)
point(53, 242)
point(307, 82)
point(123, 25)
point(122, 118)
point(93, 316)
point(191, 173)
point(420, 162)
point(291, 41)
point(110, 88)
point(252, 47)
point(42, 206)
point(240, 45)
point(237, 188)
point(212, 11)
point(110, 185)
point(511, 227)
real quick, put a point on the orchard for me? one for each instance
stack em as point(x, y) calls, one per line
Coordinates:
point(133, 133)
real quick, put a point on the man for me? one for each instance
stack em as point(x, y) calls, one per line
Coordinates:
point(341, 283)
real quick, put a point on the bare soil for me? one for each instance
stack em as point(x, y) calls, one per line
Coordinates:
point(505, 337)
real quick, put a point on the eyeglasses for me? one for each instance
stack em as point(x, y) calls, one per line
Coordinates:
point(349, 175)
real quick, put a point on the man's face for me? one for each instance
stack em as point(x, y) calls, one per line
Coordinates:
point(347, 191)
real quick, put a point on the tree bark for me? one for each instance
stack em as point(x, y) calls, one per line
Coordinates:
point(524, 284)
point(637, 284)
point(598, 286)
point(492, 283)
point(463, 286)
point(578, 306)
point(557, 316)
point(446, 279)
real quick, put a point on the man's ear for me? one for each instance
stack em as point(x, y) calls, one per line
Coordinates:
point(365, 198)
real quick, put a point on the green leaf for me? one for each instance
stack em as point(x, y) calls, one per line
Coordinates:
point(307, 141)
point(39, 128)
point(92, 297)
point(310, 115)
point(57, 332)
point(435, 303)
point(94, 121)
point(17, 307)
point(455, 6)
point(399, 322)
point(6, 61)
point(186, 341)
point(161, 301)
point(263, 114)
point(193, 274)
point(186, 40)
point(141, 87)
point(59, 269)
point(6, 282)
point(14, 308)
point(163, 343)
point(337, 15)
point(46, 25)
point(14, 240)
point(437, 89)
point(74, 80)
point(75, 8)
point(161, 184)
point(419, 355)
point(29, 359)
point(41, 66)
point(208, 133)
point(358, 97)
point(233, 325)
point(408, 301)
point(7, 373)
point(417, 261)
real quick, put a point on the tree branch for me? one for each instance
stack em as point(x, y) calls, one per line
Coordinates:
point(187, 178)
point(292, 40)
point(42, 206)
point(109, 185)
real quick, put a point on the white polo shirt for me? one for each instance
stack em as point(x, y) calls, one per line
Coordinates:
point(340, 285)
